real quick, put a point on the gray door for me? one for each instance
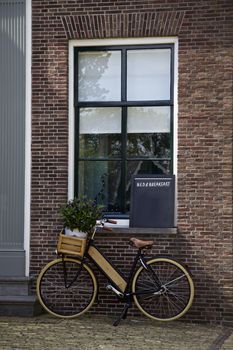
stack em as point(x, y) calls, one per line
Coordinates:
point(12, 137)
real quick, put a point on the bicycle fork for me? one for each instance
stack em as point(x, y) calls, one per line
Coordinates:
point(68, 285)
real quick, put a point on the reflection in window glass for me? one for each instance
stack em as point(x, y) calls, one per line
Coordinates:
point(148, 119)
point(148, 130)
point(101, 180)
point(148, 145)
point(100, 132)
point(99, 76)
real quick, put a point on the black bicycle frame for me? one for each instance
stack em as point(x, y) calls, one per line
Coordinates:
point(138, 258)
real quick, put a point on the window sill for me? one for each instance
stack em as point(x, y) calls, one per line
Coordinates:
point(132, 230)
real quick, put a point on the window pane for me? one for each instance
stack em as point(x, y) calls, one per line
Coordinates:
point(100, 132)
point(144, 167)
point(148, 119)
point(99, 76)
point(101, 180)
point(148, 131)
point(148, 74)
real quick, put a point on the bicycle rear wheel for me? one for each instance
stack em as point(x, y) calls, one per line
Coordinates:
point(62, 292)
point(165, 291)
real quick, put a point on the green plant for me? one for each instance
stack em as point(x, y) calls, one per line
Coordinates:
point(81, 213)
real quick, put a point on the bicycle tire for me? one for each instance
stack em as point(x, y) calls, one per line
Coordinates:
point(70, 300)
point(171, 301)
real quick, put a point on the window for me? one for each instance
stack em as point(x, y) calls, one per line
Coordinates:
point(123, 98)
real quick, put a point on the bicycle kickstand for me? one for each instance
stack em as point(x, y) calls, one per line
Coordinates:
point(123, 314)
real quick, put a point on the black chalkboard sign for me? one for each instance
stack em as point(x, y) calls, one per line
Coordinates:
point(152, 201)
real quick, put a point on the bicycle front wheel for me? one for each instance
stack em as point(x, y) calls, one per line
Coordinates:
point(65, 290)
point(165, 291)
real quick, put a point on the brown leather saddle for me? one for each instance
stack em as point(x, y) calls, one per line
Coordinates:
point(141, 244)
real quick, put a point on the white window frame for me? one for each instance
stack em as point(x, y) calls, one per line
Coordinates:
point(111, 42)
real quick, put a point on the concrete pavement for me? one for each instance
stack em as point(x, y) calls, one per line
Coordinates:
point(97, 333)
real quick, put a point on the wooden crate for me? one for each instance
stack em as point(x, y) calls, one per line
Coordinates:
point(71, 245)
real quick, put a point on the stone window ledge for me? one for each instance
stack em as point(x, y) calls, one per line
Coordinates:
point(131, 230)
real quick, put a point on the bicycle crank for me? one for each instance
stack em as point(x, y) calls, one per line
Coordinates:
point(114, 290)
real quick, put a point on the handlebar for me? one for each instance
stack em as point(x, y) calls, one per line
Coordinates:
point(111, 221)
point(101, 223)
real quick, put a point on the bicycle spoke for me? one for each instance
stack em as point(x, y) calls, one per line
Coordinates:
point(176, 279)
point(172, 303)
point(181, 299)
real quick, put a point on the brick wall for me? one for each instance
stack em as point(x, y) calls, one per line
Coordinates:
point(204, 132)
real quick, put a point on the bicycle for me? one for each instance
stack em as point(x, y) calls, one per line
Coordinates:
point(161, 287)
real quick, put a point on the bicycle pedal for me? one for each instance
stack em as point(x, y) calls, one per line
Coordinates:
point(114, 290)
